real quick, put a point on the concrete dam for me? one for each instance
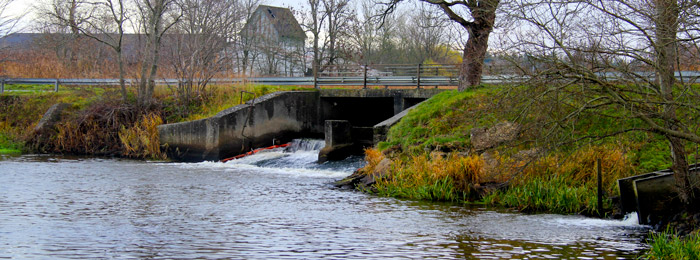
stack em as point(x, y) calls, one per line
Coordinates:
point(347, 119)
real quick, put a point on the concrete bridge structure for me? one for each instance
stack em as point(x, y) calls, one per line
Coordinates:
point(348, 119)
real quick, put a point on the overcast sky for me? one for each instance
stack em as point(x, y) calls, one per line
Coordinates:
point(26, 6)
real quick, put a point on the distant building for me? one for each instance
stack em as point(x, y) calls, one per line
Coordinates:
point(274, 42)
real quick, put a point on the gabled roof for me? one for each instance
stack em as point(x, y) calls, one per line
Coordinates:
point(283, 21)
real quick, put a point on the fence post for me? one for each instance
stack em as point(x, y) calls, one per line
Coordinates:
point(55, 86)
point(418, 76)
point(2, 86)
point(600, 187)
point(316, 79)
point(365, 78)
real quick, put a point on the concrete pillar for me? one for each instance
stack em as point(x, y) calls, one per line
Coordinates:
point(398, 104)
point(338, 132)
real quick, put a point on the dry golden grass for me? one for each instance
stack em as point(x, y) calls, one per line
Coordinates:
point(142, 140)
point(435, 176)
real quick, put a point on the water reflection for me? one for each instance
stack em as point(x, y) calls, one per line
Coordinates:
point(80, 208)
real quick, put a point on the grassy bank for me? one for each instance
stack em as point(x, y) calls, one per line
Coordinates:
point(548, 166)
point(98, 123)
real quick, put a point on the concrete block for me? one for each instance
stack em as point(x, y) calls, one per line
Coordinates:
point(338, 132)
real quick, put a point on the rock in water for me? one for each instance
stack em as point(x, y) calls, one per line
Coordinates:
point(365, 180)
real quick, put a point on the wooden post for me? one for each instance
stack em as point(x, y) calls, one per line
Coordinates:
point(55, 86)
point(365, 78)
point(2, 86)
point(418, 75)
point(600, 187)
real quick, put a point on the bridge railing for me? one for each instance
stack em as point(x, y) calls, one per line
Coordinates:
point(386, 75)
point(389, 75)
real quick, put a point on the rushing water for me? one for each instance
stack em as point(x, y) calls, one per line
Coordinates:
point(273, 205)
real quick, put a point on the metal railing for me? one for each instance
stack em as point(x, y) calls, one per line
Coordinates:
point(386, 75)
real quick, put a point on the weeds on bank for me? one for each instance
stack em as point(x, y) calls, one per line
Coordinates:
point(565, 183)
point(558, 183)
point(554, 194)
point(666, 245)
point(141, 140)
point(433, 177)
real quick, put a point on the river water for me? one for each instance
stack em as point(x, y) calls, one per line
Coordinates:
point(272, 205)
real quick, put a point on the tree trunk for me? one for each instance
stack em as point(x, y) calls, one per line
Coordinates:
point(681, 171)
point(666, 25)
point(473, 58)
point(484, 14)
point(122, 74)
point(141, 93)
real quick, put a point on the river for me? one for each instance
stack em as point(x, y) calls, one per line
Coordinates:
point(272, 205)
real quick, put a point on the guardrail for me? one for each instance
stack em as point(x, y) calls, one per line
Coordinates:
point(326, 81)
point(423, 76)
point(385, 81)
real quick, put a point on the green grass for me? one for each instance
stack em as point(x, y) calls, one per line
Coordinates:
point(8, 145)
point(554, 194)
point(442, 120)
point(666, 245)
point(433, 190)
point(24, 89)
point(562, 184)
point(4, 151)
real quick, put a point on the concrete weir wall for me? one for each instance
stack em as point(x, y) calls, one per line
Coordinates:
point(278, 116)
point(283, 116)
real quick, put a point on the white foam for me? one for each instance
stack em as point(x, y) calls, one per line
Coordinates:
point(630, 220)
point(297, 162)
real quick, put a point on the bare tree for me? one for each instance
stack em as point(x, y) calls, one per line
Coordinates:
point(8, 25)
point(338, 13)
point(8, 22)
point(607, 56)
point(478, 18)
point(156, 18)
point(314, 27)
point(206, 29)
point(425, 35)
point(104, 22)
point(364, 32)
point(61, 22)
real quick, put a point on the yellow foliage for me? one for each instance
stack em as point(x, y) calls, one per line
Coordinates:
point(373, 158)
point(421, 170)
point(580, 166)
point(142, 140)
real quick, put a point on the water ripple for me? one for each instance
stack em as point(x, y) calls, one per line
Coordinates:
point(79, 208)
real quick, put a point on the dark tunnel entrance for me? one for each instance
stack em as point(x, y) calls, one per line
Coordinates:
point(360, 112)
